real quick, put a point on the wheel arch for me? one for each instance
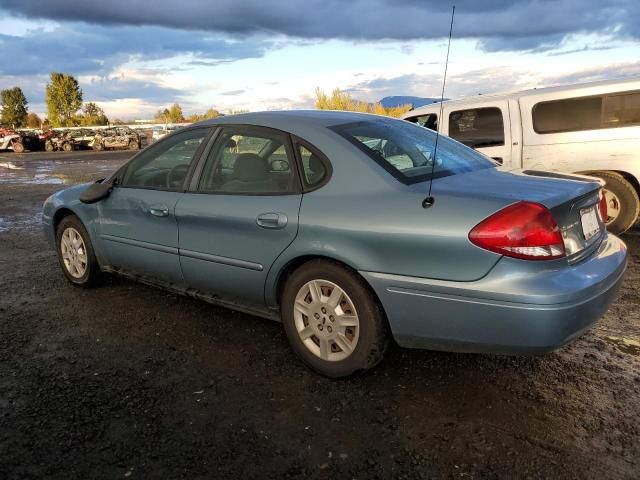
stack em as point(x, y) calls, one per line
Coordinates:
point(59, 214)
point(275, 293)
point(629, 177)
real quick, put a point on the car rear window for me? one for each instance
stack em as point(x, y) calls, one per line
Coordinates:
point(405, 150)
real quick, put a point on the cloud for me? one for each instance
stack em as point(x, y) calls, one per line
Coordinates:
point(74, 47)
point(502, 24)
point(483, 81)
point(233, 92)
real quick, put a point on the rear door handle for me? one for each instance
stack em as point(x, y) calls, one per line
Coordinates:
point(272, 220)
point(159, 210)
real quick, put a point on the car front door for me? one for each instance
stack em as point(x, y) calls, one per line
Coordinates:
point(137, 224)
point(484, 127)
point(241, 213)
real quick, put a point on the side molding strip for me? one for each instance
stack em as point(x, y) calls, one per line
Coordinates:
point(234, 262)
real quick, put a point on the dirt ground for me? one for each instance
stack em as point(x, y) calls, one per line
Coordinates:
point(126, 381)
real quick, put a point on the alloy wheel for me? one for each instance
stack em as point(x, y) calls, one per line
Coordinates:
point(326, 320)
point(74, 252)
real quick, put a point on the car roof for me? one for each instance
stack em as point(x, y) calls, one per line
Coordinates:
point(288, 119)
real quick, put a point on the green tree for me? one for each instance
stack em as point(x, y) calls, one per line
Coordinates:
point(92, 115)
point(339, 100)
point(33, 120)
point(14, 107)
point(64, 99)
point(175, 114)
point(197, 117)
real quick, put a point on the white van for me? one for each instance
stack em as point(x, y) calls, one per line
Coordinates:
point(592, 128)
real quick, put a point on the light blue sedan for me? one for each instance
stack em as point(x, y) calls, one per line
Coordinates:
point(319, 219)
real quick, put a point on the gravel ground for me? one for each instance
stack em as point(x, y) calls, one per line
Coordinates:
point(128, 381)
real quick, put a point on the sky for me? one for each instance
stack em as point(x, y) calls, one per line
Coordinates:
point(133, 57)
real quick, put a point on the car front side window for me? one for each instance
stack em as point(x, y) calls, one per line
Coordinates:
point(165, 165)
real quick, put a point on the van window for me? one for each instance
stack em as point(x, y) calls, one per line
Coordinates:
point(477, 127)
point(430, 121)
point(621, 110)
point(587, 113)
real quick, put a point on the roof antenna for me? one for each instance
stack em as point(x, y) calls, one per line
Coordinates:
point(429, 200)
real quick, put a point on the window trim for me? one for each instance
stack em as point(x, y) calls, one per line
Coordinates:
point(213, 144)
point(121, 172)
point(504, 137)
point(602, 96)
point(326, 163)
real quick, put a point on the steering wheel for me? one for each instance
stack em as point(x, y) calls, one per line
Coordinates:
point(176, 175)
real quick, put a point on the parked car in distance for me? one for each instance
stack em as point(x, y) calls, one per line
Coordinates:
point(591, 128)
point(316, 218)
point(55, 140)
point(161, 132)
point(116, 137)
point(11, 140)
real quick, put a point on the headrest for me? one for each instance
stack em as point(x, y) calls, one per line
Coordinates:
point(249, 167)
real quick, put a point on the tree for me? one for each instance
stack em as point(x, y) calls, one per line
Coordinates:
point(14, 107)
point(64, 99)
point(33, 120)
point(196, 117)
point(339, 100)
point(175, 114)
point(92, 115)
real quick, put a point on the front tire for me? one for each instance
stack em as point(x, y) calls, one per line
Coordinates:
point(333, 320)
point(18, 147)
point(623, 205)
point(75, 253)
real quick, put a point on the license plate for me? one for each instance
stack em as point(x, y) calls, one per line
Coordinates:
point(590, 225)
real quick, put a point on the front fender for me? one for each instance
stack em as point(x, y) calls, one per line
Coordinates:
point(69, 200)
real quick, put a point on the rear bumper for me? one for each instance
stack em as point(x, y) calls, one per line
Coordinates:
point(518, 308)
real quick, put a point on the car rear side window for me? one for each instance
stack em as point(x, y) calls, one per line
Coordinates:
point(312, 166)
point(587, 113)
point(477, 127)
point(406, 150)
point(251, 161)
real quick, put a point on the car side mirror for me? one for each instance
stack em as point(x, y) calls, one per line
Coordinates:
point(96, 192)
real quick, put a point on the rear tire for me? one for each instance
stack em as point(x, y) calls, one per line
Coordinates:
point(337, 335)
point(75, 253)
point(48, 146)
point(623, 204)
point(67, 147)
point(133, 145)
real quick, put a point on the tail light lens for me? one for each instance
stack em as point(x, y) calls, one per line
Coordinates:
point(603, 207)
point(524, 230)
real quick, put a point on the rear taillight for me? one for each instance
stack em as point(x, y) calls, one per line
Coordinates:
point(603, 207)
point(523, 230)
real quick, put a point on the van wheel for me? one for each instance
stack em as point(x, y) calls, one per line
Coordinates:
point(623, 205)
point(333, 320)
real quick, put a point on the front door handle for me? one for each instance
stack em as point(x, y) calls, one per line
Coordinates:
point(272, 220)
point(159, 210)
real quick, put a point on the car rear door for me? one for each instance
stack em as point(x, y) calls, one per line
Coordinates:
point(483, 126)
point(241, 213)
point(137, 225)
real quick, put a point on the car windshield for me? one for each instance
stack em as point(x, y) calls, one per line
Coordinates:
point(406, 150)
